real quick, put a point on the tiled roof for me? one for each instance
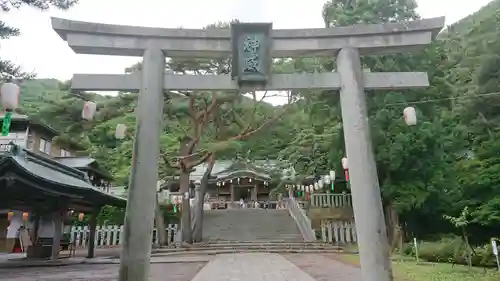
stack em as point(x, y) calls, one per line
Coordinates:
point(76, 162)
point(223, 168)
point(57, 174)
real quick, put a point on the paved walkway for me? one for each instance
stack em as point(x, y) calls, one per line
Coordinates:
point(227, 267)
point(251, 267)
point(98, 272)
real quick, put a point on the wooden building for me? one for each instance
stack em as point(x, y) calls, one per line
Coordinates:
point(234, 180)
point(42, 183)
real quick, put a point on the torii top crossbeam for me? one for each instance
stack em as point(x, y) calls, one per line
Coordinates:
point(121, 40)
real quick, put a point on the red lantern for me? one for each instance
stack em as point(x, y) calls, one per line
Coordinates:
point(26, 215)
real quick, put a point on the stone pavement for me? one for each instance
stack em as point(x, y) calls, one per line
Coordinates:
point(98, 272)
point(226, 267)
point(325, 267)
point(251, 267)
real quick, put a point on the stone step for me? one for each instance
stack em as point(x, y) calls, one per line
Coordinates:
point(263, 243)
point(200, 251)
point(247, 246)
point(250, 225)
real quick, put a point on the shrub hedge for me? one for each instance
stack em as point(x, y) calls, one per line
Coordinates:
point(452, 250)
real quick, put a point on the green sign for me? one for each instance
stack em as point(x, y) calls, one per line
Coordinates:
point(7, 119)
point(251, 59)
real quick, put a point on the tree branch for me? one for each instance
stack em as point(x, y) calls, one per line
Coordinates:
point(168, 162)
point(198, 161)
point(247, 133)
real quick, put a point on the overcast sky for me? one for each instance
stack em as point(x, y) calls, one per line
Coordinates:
point(39, 49)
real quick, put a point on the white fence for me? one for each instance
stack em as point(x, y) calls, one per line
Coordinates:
point(338, 232)
point(331, 200)
point(112, 235)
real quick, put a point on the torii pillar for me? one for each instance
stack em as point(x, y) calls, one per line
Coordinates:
point(349, 42)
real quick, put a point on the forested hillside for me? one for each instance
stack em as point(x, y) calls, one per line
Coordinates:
point(449, 161)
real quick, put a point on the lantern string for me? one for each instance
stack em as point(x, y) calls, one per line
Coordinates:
point(7, 119)
point(443, 99)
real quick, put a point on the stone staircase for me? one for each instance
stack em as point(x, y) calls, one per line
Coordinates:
point(247, 231)
point(250, 225)
point(225, 247)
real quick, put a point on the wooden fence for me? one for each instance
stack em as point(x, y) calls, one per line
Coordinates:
point(112, 235)
point(338, 232)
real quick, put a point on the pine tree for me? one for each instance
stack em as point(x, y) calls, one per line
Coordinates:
point(8, 70)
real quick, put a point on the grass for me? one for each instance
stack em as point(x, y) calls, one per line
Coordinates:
point(408, 270)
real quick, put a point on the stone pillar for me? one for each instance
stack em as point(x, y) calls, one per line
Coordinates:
point(57, 218)
point(233, 195)
point(36, 227)
point(92, 229)
point(255, 193)
point(139, 216)
point(367, 203)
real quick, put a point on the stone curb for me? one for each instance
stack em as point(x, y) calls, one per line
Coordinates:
point(60, 263)
point(26, 264)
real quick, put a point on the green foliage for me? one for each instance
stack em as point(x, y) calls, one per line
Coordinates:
point(451, 250)
point(449, 161)
point(8, 70)
point(424, 171)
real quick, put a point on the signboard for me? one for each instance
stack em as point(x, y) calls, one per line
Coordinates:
point(494, 246)
point(251, 47)
point(495, 251)
point(6, 147)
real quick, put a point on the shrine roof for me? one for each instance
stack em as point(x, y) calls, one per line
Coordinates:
point(224, 168)
point(84, 163)
point(76, 162)
point(54, 175)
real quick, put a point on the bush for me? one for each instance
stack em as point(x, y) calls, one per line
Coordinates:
point(452, 250)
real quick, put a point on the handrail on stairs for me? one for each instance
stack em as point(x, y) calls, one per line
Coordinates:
point(301, 219)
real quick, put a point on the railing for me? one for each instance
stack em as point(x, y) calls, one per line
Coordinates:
point(214, 205)
point(301, 219)
point(330, 200)
point(112, 235)
point(338, 232)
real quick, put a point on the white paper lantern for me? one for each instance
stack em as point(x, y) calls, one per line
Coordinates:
point(9, 96)
point(345, 165)
point(410, 116)
point(332, 175)
point(320, 183)
point(326, 179)
point(89, 109)
point(120, 131)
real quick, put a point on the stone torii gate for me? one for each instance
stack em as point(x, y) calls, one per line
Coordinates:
point(347, 43)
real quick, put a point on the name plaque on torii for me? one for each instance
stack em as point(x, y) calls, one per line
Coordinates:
point(251, 53)
point(252, 47)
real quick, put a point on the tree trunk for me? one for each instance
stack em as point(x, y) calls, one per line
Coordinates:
point(199, 200)
point(186, 235)
point(160, 224)
point(467, 247)
point(393, 227)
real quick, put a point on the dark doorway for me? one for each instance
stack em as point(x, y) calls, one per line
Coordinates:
point(243, 192)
